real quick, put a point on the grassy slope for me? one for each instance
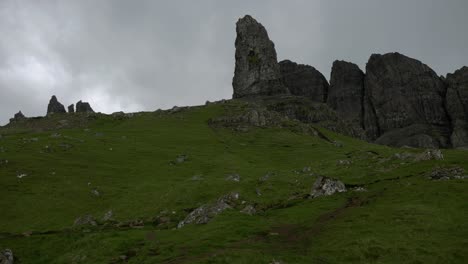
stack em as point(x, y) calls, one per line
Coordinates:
point(405, 220)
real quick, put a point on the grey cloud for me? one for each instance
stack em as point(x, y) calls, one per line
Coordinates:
point(144, 55)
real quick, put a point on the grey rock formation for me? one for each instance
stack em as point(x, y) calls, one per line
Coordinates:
point(205, 213)
point(55, 106)
point(304, 80)
point(457, 106)
point(71, 108)
point(257, 71)
point(346, 92)
point(405, 98)
point(447, 173)
point(17, 117)
point(6, 257)
point(325, 186)
point(83, 107)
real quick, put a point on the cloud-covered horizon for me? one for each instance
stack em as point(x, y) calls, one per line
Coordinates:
point(143, 55)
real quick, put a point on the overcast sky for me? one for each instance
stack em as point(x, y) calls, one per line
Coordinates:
point(134, 55)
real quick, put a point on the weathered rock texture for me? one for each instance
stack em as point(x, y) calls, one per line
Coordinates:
point(304, 80)
point(6, 257)
point(406, 103)
point(346, 92)
point(457, 106)
point(55, 106)
point(17, 117)
point(257, 71)
point(71, 108)
point(324, 186)
point(83, 107)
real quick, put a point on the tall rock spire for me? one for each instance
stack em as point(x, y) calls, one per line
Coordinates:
point(257, 71)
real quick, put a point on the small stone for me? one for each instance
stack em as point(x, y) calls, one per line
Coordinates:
point(233, 177)
point(108, 216)
point(85, 220)
point(95, 192)
point(344, 162)
point(249, 209)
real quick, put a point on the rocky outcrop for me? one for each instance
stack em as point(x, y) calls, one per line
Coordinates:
point(346, 91)
point(405, 103)
point(55, 106)
point(205, 213)
point(17, 117)
point(83, 107)
point(325, 186)
point(457, 106)
point(257, 71)
point(304, 80)
point(6, 257)
point(71, 108)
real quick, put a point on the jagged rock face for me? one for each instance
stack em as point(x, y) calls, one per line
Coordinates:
point(55, 106)
point(83, 107)
point(17, 117)
point(71, 108)
point(406, 98)
point(304, 80)
point(257, 71)
point(457, 106)
point(346, 91)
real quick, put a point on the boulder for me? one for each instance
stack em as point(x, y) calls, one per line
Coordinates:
point(83, 107)
point(256, 71)
point(346, 91)
point(304, 80)
point(71, 108)
point(457, 106)
point(325, 186)
point(86, 220)
point(6, 256)
point(55, 106)
point(205, 213)
point(403, 93)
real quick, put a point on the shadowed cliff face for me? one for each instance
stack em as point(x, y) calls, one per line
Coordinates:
point(257, 71)
point(457, 106)
point(399, 101)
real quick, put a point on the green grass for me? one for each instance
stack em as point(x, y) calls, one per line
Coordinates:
point(402, 218)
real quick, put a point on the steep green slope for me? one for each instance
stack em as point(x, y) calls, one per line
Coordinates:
point(129, 165)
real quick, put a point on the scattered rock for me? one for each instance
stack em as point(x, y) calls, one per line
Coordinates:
point(205, 213)
point(360, 189)
point(55, 135)
point(447, 173)
point(257, 71)
point(430, 154)
point(86, 220)
point(95, 192)
point(21, 175)
point(6, 257)
point(325, 186)
point(197, 178)
point(55, 106)
point(344, 162)
point(83, 107)
point(71, 108)
point(258, 192)
point(304, 80)
point(233, 177)
point(137, 223)
point(108, 216)
point(249, 209)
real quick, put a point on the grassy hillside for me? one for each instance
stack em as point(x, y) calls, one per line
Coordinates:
point(131, 167)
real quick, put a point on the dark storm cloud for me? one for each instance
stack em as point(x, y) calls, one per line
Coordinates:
point(144, 55)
